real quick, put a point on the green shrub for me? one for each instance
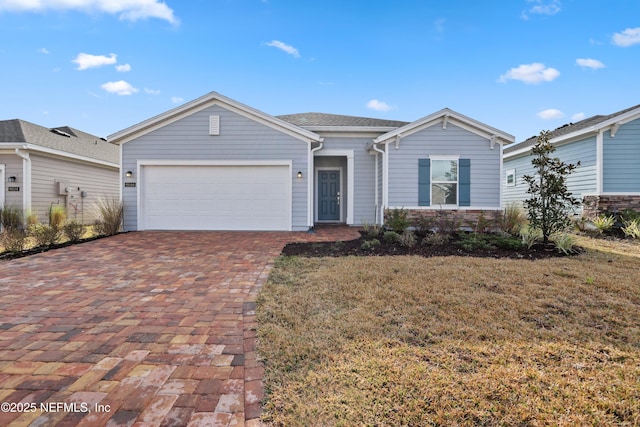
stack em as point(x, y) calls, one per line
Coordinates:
point(629, 214)
point(44, 235)
point(398, 220)
point(423, 223)
point(57, 216)
point(530, 236)
point(505, 241)
point(370, 244)
point(436, 239)
point(391, 237)
point(473, 242)
point(13, 240)
point(10, 218)
point(604, 222)
point(408, 239)
point(371, 230)
point(110, 213)
point(73, 231)
point(631, 228)
point(563, 242)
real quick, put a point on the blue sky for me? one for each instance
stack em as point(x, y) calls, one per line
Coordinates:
point(519, 65)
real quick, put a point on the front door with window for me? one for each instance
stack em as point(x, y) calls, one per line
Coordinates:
point(329, 195)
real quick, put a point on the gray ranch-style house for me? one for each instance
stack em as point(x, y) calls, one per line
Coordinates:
point(216, 164)
point(44, 167)
point(608, 149)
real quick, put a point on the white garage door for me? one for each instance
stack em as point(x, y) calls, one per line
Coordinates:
point(215, 197)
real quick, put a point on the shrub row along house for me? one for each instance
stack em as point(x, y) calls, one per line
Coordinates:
point(42, 168)
point(217, 164)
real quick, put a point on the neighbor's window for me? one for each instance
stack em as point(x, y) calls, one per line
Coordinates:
point(444, 182)
point(511, 177)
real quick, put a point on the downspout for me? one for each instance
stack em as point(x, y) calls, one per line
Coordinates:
point(599, 162)
point(26, 183)
point(310, 180)
point(380, 212)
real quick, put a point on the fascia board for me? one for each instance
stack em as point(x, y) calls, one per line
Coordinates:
point(58, 153)
point(452, 117)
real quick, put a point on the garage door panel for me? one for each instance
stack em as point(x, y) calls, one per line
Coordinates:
point(216, 197)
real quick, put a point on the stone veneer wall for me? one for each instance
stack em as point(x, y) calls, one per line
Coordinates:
point(466, 218)
point(596, 205)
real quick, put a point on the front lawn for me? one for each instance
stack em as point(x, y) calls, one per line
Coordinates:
point(409, 340)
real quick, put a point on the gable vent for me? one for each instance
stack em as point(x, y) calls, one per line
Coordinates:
point(214, 125)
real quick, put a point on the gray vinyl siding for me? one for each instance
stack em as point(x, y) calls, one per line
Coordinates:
point(97, 181)
point(363, 198)
point(622, 159)
point(452, 141)
point(13, 167)
point(582, 181)
point(240, 139)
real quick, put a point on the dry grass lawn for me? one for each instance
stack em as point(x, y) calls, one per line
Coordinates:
point(453, 341)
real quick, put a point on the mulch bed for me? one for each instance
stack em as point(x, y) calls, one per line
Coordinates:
point(354, 248)
point(14, 255)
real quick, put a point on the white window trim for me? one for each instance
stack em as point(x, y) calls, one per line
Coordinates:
point(456, 182)
point(506, 178)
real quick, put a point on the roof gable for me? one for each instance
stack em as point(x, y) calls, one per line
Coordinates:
point(584, 127)
point(206, 101)
point(444, 117)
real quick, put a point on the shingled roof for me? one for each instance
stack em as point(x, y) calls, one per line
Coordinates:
point(323, 119)
point(566, 129)
point(63, 138)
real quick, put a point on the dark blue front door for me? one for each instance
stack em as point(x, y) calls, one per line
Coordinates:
point(329, 195)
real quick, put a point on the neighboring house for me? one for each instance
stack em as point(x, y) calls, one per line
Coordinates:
point(608, 149)
point(216, 164)
point(42, 167)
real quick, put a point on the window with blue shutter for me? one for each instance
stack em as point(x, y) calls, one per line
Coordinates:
point(464, 182)
point(424, 182)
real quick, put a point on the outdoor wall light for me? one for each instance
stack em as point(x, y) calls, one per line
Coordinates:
point(12, 179)
point(129, 174)
point(299, 174)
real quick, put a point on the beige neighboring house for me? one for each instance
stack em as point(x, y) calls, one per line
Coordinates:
point(42, 167)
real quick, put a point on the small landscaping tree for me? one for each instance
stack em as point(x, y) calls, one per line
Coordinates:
point(550, 202)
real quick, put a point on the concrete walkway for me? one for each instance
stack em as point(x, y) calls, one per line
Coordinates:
point(140, 329)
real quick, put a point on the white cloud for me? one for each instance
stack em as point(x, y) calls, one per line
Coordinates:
point(542, 7)
point(123, 68)
point(577, 117)
point(376, 105)
point(151, 91)
point(119, 88)
point(551, 113)
point(285, 48)
point(127, 10)
point(589, 63)
point(438, 25)
point(44, 51)
point(627, 38)
point(530, 74)
point(176, 99)
point(86, 61)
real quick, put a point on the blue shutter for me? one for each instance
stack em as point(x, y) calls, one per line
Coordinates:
point(424, 182)
point(464, 182)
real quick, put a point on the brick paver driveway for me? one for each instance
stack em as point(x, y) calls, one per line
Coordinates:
point(148, 329)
